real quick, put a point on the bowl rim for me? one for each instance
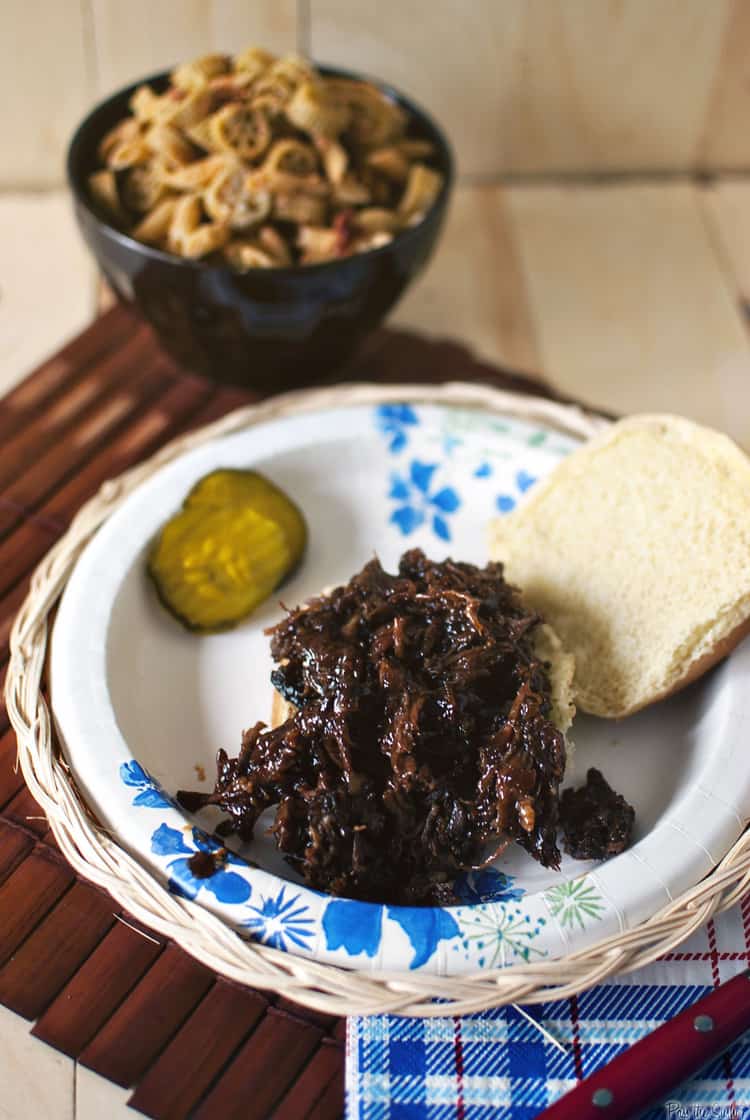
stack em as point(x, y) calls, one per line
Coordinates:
point(80, 196)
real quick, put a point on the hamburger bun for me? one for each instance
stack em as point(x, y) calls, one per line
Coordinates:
point(636, 549)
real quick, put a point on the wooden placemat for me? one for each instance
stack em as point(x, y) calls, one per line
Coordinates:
point(125, 1003)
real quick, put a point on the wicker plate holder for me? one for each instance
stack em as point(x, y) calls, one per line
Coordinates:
point(97, 856)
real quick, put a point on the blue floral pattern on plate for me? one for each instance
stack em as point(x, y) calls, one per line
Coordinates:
point(282, 921)
point(358, 928)
point(419, 503)
point(426, 927)
point(354, 929)
point(395, 420)
point(523, 481)
point(150, 794)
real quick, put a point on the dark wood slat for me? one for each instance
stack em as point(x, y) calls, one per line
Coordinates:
point(95, 991)
point(59, 372)
point(317, 1018)
point(198, 1052)
point(59, 462)
point(4, 721)
point(223, 401)
point(248, 1090)
point(24, 810)
point(50, 841)
point(11, 778)
point(9, 607)
point(131, 1040)
point(27, 895)
point(61, 942)
point(24, 549)
point(72, 408)
point(330, 1105)
point(14, 847)
point(147, 430)
point(325, 1066)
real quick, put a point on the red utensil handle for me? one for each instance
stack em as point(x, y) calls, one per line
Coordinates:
point(661, 1061)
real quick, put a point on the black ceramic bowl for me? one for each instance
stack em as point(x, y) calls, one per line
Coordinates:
point(266, 329)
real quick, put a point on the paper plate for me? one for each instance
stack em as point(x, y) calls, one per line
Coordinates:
point(142, 706)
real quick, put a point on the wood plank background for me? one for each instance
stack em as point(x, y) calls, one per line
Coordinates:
point(522, 86)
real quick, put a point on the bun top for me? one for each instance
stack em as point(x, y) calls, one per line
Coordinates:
point(636, 549)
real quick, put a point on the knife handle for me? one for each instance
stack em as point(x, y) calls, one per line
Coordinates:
point(646, 1072)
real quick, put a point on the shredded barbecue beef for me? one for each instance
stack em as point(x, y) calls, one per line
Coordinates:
point(420, 742)
point(597, 822)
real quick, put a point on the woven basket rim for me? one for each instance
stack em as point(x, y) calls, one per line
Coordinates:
point(97, 856)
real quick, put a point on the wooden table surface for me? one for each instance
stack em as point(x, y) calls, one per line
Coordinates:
point(630, 296)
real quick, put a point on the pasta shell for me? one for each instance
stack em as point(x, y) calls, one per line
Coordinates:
point(302, 208)
point(153, 228)
point(128, 154)
point(104, 192)
point(334, 158)
point(242, 130)
point(289, 167)
point(125, 131)
point(193, 107)
point(272, 93)
point(244, 255)
point(206, 239)
point(376, 219)
point(143, 187)
point(144, 104)
point(351, 192)
point(167, 142)
point(251, 209)
point(312, 110)
point(227, 199)
point(389, 162)
point(223, 192)
point(186, 218)
point(192, 75)
point(279, 182)
point(422, 188)
point(200, 134)
point(372, 241)
point(271, 241)
point(194, 176)
point(229, 87)
point(292, 68)
point(253, 61)
point(167, 106)
point(318, 243)
point(375, 121)
point(291, 156)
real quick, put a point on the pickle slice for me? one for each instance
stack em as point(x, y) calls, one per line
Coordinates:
point(234, 540)
point(226, 486)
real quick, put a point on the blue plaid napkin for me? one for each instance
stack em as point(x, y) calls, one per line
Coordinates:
point(497, 1066)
